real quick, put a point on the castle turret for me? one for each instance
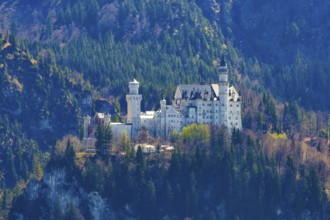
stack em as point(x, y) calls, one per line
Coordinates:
point(133, 99)
point(223, 92)
point(87, 122)
point(223, 70)
point(162, 104)
point(107, 119)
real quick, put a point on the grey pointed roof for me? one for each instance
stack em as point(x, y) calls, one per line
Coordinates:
point(193, 92)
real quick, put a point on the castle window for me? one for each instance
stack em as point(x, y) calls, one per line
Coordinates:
point(229, 117)
point(223, 104)
point(231, 105)
point(237, 105)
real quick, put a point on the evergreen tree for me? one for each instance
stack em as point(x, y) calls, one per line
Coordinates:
point(315, 193)
point(72, 213)
point(103, 141)
point(70, 158)
point(57, 212)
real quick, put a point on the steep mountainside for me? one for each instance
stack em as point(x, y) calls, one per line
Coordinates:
point(281, 44)
point(53, 51)
point(20, 156)
point(285, 43)
point(170, 40)
point(40, 96)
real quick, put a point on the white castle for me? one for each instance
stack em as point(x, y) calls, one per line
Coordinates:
point(215, 104)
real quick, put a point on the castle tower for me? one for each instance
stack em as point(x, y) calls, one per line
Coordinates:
point(87, 122)
point(162, 123)
point(133, 99)
point(223, 92)
point(107, 119)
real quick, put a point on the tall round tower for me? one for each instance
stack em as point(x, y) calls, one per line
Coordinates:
point(133, 99)
point(223, 92)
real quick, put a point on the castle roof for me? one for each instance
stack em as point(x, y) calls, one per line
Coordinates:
point(233, 94)
point(99, 115)
point(192, 92)
point(134, 82)
point(205, 92)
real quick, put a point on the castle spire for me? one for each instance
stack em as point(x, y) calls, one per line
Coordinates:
point(223, 70)
point(223, 61)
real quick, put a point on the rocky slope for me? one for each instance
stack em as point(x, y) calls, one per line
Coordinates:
point(55, 195)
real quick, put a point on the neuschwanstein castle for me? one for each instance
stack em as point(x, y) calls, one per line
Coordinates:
point(216, 104)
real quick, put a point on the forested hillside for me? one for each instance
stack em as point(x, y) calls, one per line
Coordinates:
point(40, 103)
point(281, 44)
point(57, 56)
point(45, 99)
point(215, 181)
point(288, 40)
point(157, 41)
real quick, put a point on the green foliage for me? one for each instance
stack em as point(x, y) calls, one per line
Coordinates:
point(20, 155)
point(196, 133)
point(177, 41)
point(202, 185)
point(37, 169)
point(125, 143)
point(103, 141)
point(57, 212)
point(72, 213)
point(254, 184)
point(42, 97)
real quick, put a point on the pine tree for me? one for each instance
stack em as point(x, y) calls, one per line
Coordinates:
point(103, 141)
point(315, 193)
point(72, 213)
point(57, 212)
point(69, 158)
